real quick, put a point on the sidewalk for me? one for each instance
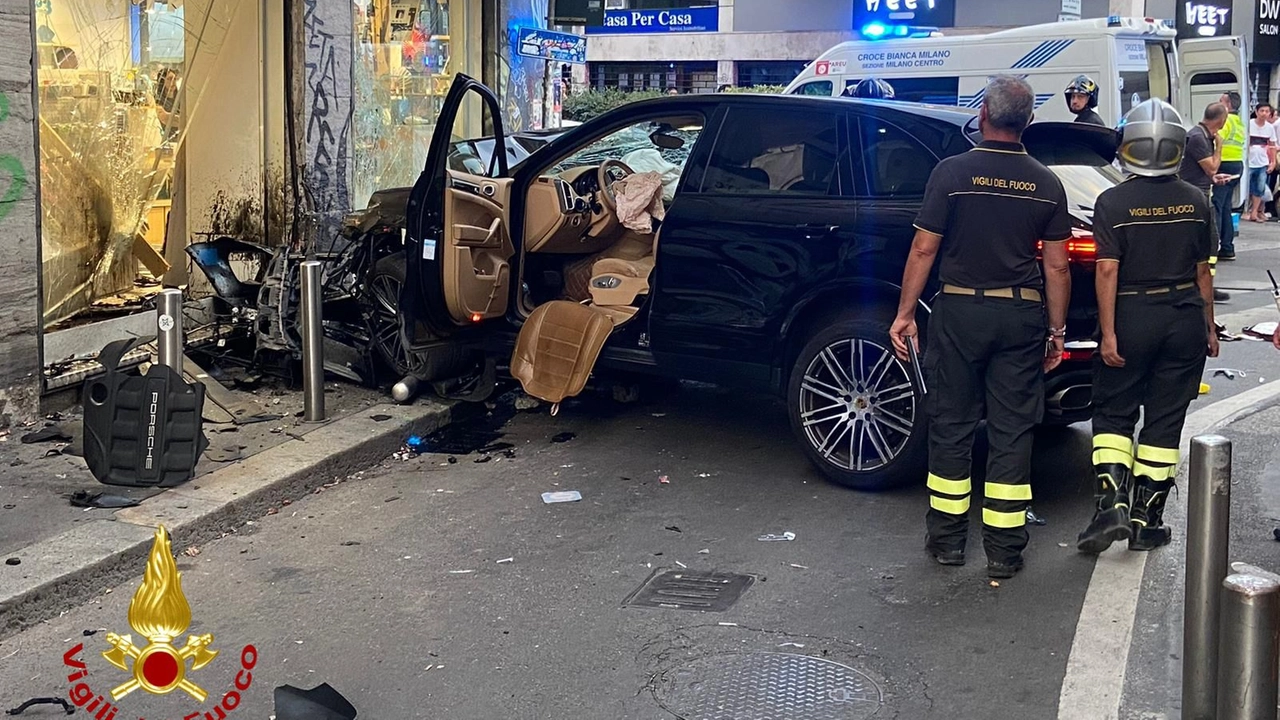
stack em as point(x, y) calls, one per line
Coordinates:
point(1153, 681)
point(58, 556)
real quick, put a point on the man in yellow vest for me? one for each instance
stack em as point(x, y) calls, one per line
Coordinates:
point(1233, 137)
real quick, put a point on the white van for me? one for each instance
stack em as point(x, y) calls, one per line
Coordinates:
point(1132, 59)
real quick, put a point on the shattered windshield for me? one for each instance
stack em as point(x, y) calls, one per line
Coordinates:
point(621, 143)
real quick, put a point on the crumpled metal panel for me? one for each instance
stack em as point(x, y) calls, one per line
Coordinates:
point(766, 686)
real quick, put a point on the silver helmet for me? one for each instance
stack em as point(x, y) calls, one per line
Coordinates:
point(1152, 139)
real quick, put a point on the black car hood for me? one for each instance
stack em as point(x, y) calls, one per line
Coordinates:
point(1065, 143)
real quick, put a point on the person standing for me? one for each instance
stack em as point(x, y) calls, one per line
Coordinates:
point(1262, 160)
point(988, 342)
point(1082, 98)
point(1155, 315)
point(1201, 162)
point(1232, 138)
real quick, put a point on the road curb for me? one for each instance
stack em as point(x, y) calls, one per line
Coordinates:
point(71, 569)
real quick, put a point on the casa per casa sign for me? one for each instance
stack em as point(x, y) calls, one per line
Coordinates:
point(698, 19)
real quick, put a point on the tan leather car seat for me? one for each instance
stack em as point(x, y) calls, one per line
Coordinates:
point(557, 349)
point(615, 281)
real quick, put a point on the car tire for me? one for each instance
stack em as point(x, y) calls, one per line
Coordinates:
point(864, 428)
point(385, 282)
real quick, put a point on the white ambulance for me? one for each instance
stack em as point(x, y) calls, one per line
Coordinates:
point(1131, 59)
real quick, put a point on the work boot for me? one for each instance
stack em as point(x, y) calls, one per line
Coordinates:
point(1147, 514)
point(1003, 570)
point(944, 556)
point(1111, 519)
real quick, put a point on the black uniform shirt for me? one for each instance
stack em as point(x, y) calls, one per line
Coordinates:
point(991, 206)
point(1199, 146)
point(1089, 116)
point(1158, 229)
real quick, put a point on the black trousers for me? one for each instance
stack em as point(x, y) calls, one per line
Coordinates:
point(983, 352)
point(1162, 339)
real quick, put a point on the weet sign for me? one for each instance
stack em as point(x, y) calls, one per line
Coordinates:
point(1266, 41)
point(698, 19)
point(936, 13)
point(1203, 18)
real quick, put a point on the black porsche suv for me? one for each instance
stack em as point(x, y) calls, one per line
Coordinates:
point(772, 260)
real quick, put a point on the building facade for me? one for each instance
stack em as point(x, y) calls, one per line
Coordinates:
point(130, 129)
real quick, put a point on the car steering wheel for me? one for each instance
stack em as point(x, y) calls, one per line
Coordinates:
point(605, 179)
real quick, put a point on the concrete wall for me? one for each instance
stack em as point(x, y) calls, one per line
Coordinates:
point(791, 16)
point(983, 13)
point(713, 46)
point(19, 217)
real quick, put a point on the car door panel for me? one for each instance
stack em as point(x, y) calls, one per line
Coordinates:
point(476, 258)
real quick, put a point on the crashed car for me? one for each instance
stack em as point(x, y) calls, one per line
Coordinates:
point(748, 240)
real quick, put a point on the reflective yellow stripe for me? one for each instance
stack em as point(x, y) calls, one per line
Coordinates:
point(1113, 442)
point(950, 487)
point(951, 507)
point(1003, 519)
point(1104, 456)
point(1158, 473)
point(1000, 491)
point(1164, 456)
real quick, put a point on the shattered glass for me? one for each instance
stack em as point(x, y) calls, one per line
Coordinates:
point(113, 101)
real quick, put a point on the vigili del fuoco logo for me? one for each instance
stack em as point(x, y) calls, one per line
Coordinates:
point(160, 614)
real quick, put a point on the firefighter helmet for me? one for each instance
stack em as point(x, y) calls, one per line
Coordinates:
point(873, 88)
point(1082, 85)
point(1152, 139)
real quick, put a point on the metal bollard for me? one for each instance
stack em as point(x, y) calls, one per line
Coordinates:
point(169, 326)
point(1249, 649)
point(405, 390)
point(312, 343)
point(1208, 516)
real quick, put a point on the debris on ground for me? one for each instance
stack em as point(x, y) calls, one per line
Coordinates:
point(562, 496)
point(1228, 373)
point(526, 402)
point(664, 480)
point(459, 572)
point(86, 499)
point(995, 583)
point(191, 551)
point(350, 543)
point(1204, 388)
point(66, 706)
point(506, 560)
point(379, 418)
point(772, 537)
point(686, 567)
point(564, 437)
point(12, 561)
point(799, 567)
point(1276, 534)
point(52, 432)
point(230, 453)
point(1260, 331)
point(704, 551)
point(319, 703)
point(791, 644)
point(674, 528)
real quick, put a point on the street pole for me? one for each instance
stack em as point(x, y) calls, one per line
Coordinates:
point(1249, 654)
point(1208, 516)
point(405, 390)
point(312, 343)
point(169, 326)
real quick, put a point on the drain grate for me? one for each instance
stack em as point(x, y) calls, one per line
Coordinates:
point(766, 686)
point(690, 590)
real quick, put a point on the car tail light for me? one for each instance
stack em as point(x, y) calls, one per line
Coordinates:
point(1081, 248)
point(1069, 355)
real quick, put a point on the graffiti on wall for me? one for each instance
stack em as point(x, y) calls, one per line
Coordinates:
point(329, 112)
point(13, 176)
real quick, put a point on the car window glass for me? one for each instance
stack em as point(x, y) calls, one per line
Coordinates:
point(821, 87)
point(471, 146)
point(1084, 183)
point(767, 150)
point(635, 142)
point(896, 164)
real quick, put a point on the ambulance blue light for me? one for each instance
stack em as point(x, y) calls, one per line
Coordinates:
point(1113, 21)
point(875, 31)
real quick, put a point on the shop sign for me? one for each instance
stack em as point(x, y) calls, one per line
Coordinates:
point(1070, 10)
point(551, 45)
point(931, 13)
point(698, 19)
point(1204, 18)
point(1266, 41)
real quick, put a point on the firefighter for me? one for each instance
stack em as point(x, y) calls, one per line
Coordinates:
point(1155, 233)
point(873, 88)
point(1082, 98)
point(983, 213)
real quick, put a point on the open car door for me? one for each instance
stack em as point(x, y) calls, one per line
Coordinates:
point(458, 243)
point(1207, 68)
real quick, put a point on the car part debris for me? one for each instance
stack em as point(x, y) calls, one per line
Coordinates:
point(86, 499)
point(142, 431)
point(477, 385)
point(12, 561)
point(1261, 331)
point(772, 537)
point(67, 707)
point(52, 432)
point(1228, 373)
point(563, 496)
point(319, 703)
point(1204, 388)
point(564, 437)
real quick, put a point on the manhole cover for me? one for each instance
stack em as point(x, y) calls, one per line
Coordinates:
point(689, 590)
point(766, 686)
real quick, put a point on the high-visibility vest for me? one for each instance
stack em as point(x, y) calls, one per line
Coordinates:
point(1233, 139)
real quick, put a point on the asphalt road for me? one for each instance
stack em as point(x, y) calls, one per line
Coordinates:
point(363, 586)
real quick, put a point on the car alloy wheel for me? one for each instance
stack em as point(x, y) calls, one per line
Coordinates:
point(385, 325)
point(857, 405)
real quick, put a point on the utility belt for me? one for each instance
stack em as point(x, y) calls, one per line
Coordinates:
point(1157, 290)
point(1009, 293)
